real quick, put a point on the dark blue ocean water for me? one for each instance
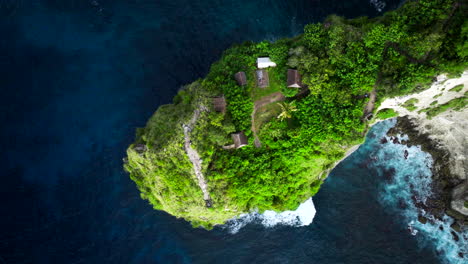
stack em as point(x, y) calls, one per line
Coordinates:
point(77, 77)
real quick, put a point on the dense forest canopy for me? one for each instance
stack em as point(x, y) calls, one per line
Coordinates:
point(341, 61)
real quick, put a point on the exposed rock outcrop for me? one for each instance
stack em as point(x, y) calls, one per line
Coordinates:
point(460, 198)
point(447, 184)
point(444, 136)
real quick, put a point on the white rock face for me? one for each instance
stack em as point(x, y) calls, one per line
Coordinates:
point(459, 197)
point(449, 128)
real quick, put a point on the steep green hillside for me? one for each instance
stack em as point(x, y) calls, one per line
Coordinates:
point(295, 135)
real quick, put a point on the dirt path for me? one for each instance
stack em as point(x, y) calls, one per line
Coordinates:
point(371, 104)
point(194, 157)
point(274, 97)
point(271, 98)
point(425, 59)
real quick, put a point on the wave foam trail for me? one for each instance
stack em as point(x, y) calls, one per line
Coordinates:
point(302, 216)
point(406, 190)
point(378, 5)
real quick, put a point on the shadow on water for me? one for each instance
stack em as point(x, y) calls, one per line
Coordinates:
point(79, 76)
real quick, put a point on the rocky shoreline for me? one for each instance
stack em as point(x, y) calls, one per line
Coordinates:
point(447, 187)
point(444, 136)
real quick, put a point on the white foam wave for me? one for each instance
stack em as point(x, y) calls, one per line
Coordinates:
point(411, 182)
point(378, 5)
point(302, 216)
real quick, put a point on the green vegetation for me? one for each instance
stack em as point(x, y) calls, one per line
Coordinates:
point(437, 96)
point(456, 104)
point(409, 104)
point(341, 61)
point(434, 102)
point(275, 85)
point(386, 113)
point(457, 88)
point(267, 113)
point(287, 110)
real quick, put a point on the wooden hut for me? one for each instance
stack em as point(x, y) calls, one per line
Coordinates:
point(241, 78)
point(294, 79)
point(262, 78)
point(219, 104)
point(140, 148)
point(239, 139)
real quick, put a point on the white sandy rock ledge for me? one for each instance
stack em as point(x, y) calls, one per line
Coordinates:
point(449, 129)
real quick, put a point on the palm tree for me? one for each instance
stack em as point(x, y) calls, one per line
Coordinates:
point(286, 110)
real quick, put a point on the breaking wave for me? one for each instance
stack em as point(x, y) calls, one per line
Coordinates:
point(302, 216)
point(378, 5)
point(408, 183)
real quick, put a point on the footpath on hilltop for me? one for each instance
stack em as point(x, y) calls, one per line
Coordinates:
point(262, 130)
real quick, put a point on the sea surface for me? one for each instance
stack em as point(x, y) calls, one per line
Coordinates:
point(77, 77)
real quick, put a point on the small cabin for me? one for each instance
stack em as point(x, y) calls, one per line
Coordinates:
point(241, 78)
point(140, 148)
point(262, 78)
point(294, 78)
point(239, 139)
point(219, 104)
point(265, 62)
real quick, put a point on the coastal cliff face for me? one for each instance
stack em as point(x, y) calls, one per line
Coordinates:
point(162, 160)
point(446, 182)
point(185, 161)
point(440, 127)
point(181, 166)
point(441, 113)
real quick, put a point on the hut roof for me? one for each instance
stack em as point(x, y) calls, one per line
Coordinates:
point(265, 62)
point(219, 104)
point(241, 78)
point(262, 78)
point(294, 79)
point(140, 148)
point(239, 139)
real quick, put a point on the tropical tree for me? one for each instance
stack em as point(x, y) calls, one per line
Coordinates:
point(286, 110)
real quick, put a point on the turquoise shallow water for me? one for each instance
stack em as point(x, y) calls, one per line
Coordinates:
point(77, 77)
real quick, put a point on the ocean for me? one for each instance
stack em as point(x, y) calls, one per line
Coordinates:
point(78, 77)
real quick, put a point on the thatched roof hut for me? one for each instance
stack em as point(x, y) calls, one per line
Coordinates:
point(294, 78)
point(239, 139)
point(262, 78)
point(219, 104)
point(241, 78)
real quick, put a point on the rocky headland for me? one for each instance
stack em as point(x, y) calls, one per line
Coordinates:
point(445, 137)
point(261, 131)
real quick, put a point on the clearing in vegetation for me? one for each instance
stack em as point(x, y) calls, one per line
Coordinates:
point(344, 63)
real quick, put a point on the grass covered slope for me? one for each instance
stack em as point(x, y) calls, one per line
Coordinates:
point(344, 64)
